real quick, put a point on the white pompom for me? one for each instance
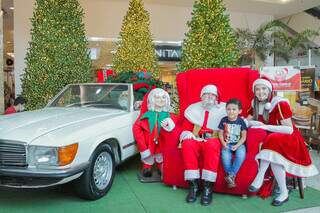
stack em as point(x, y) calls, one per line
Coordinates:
point(267, 106)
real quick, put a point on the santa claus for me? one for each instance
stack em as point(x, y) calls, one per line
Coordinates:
point(148, 128)
point(200, 140)
point(283, 149)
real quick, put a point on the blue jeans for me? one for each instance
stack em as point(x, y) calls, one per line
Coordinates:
point(226, 156)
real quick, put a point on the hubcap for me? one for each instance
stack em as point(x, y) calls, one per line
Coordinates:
point(102, 170)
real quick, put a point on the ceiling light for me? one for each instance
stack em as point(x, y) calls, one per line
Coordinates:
point(11, 8)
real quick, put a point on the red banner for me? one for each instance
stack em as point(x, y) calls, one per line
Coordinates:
point(283, 78)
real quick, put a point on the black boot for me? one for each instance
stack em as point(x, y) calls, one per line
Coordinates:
point(206, 197)
point(193, 191)
point(147, 172)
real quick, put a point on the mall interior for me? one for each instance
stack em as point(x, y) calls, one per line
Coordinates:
point(103, 19)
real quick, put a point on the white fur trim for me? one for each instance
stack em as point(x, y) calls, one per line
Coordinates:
point(263, 82)
point(275, 100)
point(170, 125)
point(158, 158)
point(148, 160)
point(186, 135)
point(290, 167)
point(195, 114)
point(209, 89)
point(209, 175)
point(267, 106)
point(146, 153)
point(191, 174)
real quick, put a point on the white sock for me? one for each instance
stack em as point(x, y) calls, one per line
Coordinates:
point(280, 175)
point(257, 183)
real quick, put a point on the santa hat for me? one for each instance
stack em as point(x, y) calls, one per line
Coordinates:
point(266, 82)
point(212, 89)
point(262, 81)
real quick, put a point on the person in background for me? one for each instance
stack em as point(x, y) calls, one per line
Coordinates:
point(18, 106)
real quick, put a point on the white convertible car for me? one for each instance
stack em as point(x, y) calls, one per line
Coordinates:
point(80, 136)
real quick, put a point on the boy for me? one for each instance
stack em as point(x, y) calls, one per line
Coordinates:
point(232, 135)
point(18, 106)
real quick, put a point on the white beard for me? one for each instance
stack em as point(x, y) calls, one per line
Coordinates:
point(208, 103)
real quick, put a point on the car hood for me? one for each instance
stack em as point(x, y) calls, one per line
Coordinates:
point(27, 126)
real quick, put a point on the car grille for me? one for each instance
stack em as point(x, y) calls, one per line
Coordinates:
point(12, 154)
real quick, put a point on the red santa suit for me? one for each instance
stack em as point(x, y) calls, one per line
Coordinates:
point(149, 143)
point(10, 110)
point(200, 121)
point(288, 150)
point(151, 136)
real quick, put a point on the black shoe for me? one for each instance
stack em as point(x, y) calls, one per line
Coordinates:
point(147, 172)
point(253, 189)
point(279, 203)
point(193, 191)
point(206, 197)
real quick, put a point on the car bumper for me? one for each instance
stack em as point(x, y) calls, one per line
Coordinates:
point(38, 178)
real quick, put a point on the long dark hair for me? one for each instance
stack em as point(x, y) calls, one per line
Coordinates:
point(265, 113)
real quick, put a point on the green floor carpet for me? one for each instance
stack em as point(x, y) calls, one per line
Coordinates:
point(129, 195)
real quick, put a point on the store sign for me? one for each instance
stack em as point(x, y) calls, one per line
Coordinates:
point(307, 83)
point(307, 79)
point(168, 53)
point(283, 78)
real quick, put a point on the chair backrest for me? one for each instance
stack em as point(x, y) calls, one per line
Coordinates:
point(231, 83)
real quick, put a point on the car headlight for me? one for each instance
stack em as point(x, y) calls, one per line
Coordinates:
point(51, 156)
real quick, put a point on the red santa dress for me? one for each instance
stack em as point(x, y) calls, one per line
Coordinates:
point(288, 150)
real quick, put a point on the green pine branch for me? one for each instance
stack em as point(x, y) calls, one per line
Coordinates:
point(57, 53)
point(210, 41)
point(135, 50)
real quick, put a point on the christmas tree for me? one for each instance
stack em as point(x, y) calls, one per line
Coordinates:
point(135, 51)
point(57, 53)
point(211, 41)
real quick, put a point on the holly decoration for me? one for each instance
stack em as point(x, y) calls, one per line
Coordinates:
point(142, 81)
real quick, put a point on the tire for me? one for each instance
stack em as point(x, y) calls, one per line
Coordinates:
point(95, 182)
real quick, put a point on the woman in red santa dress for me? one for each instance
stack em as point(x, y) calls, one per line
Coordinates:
point(283, 149)
point(148, 129)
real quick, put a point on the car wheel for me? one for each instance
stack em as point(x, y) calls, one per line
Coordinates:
point(97, 179)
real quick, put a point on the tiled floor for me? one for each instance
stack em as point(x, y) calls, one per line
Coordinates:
point(313, 182)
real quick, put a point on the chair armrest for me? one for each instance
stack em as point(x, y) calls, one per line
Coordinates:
point(172, 138)
point(254, 138)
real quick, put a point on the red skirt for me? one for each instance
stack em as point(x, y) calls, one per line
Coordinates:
point(290, 151)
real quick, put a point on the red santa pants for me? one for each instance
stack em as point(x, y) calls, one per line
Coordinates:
point(208, 152)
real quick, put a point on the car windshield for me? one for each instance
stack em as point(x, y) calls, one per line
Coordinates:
point(100, 96)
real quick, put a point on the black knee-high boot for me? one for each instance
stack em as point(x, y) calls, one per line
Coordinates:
point(206, 197)
point(193, 191)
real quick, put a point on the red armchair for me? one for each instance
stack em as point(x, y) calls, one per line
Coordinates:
point(231, 83)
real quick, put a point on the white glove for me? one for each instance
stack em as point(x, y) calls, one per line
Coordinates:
point(246, 121)
point(167, 124)
point(186, 135)
point(276, 128)
point(255, 123)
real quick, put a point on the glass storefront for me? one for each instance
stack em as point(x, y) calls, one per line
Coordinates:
point(103, 49)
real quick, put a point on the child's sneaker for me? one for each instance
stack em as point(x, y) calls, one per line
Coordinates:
point(228, 179)
point(231, 181)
